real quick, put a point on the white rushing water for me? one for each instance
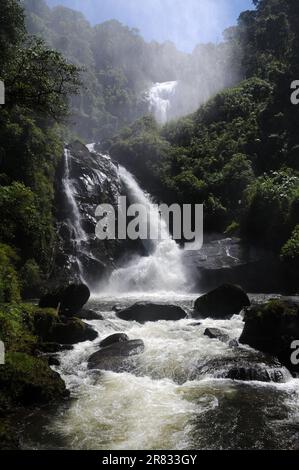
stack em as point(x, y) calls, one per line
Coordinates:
point(70, 191)
point(161, 404)
point(160, 96)
point(162, 270)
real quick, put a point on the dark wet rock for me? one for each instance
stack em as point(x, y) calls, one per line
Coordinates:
point(232, 261)
point(69, 300)
point(86, 314)
point(245, 366)
point(272, 328)
point(215, 333)
point(221, 303)
point(54, 347)
point(116, 357)
point(71, 332)
point(234, 343)
point(53, 361)
point(146, 311)
point(116, 338)
point(117, 308)
point(196, 323)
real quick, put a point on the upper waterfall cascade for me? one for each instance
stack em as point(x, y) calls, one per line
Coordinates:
point(160, 96)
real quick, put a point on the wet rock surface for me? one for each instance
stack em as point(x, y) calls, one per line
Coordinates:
point(147, 311)
point(117, 357)
point(221, 303)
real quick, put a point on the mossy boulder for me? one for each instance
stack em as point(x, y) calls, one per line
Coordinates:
point(72, 331)
point(27, 380)
point(272, 327)
point(221, 303)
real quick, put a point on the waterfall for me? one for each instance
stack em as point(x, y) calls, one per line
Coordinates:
point(159, 97)
point(78, 234)
point(70, 191)
point(162, 270)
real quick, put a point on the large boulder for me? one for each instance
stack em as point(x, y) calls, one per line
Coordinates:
point(221, 303)
point(70, 299)
point(117, 357)
point(272, 327)
point(72, 331)
point(147, 311)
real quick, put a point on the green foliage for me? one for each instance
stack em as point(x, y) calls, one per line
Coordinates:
point(268, 204)
point(9, 279)
point(290, 251)
point(31, 278)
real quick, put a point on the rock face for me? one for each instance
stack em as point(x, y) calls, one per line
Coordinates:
point(70, 299)
point(221, 303)
point(272, 328)
point(116, 338)
point(245, 366)
point(146, 311)
point(90, 178)
point(215, 333)
point(117, 357)
point(231, 261)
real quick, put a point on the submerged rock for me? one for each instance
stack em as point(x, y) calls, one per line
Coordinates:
point(86, 314)
point(221, 303)
point(215, 333)
point(116, 338)
point(117, 357)
point(147, 311)
point(272, 328)
point(245, 366)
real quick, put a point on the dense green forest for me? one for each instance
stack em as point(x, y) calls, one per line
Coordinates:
point(38, 82)
point(239, 153)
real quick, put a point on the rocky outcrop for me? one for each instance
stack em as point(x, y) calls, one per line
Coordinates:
point(116, 338)
point(272, 328)
point(117, 357)
point(146, 311)
point(232, 261)
point(221, 303)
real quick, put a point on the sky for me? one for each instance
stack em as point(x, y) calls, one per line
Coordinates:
point(184, 22)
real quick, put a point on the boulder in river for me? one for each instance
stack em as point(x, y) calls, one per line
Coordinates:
point(112, 339)
point(87, 314)
point(245, 366)
point(117, 357)
point(272, 327)
point(215, 333)
point(70, 299)
point(72, 331)
point(221, 303)
point(147, 311)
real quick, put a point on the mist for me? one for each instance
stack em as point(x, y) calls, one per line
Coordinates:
point(130, 48)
